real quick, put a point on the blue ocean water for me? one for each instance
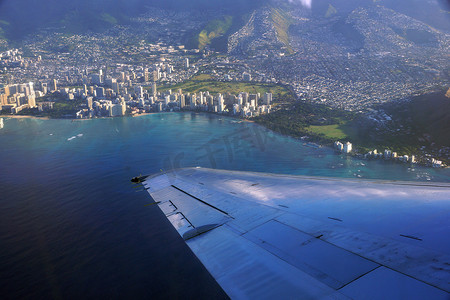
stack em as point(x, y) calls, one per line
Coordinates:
point(73, 226)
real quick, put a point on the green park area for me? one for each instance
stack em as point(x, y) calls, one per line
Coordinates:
point(204, 82)
point(335, 131)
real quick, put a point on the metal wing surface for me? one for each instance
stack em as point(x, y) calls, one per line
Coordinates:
point(265, 236)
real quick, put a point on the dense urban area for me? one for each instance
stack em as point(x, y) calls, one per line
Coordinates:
point(274, 63)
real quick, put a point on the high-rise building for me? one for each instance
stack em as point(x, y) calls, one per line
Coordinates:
point(3, 99)
point(193, 100)
point(220, 99)
point(100, 92)
point(255, 98)
point(54, 85)
point(116, 110)
point(115, 87)
point(182, 101)
point(267, 98)
point(7, 91)
point(96, 79)
point(13, 89)
point(139, 91)
point(44, 88)
point(347, 147)
point(89, 101)
point(29, 89)
point(31, 101)
point(156, 74)
point(339, 146)
point(210, 101)
point(186, 63)
point(154, 91)
point(110, 81)
point(239, 100)
point(244, 98)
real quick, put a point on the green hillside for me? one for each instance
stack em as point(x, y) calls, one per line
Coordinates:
point(427, 117)
point(282, 21)
point(331, 11)
point(213, 30)
point(79, 21)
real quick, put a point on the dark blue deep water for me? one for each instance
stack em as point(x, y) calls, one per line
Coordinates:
point(72, 225)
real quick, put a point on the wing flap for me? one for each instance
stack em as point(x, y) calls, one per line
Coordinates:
point(332, 265)
point(267, 236)
point(384, 283)
point(189, 216)
point(246, 271)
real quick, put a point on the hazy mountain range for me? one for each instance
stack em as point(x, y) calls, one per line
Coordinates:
point(19, 18)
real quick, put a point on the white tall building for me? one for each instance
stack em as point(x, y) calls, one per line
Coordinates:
point(220, 99)
point(347, 147)
point(116, 110)
point(154, 91)
point(139, 90)
point(193, 101)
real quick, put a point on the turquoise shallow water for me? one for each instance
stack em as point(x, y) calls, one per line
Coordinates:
point(72, 225)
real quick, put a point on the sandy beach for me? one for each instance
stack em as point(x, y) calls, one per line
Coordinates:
point(23, 117)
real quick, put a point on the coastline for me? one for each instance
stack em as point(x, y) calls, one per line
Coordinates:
point(306, 142)
point(143, 114)
point(23, 117)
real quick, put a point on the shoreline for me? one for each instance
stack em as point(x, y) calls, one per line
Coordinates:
point(143, 114)
point(311, 143)
point(23, 117)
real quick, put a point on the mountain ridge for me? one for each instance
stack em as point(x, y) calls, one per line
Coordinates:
point(22, 17)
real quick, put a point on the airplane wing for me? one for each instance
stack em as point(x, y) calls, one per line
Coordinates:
point(267, 236)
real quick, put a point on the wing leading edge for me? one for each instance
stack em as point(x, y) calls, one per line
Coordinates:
point(264, 235)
